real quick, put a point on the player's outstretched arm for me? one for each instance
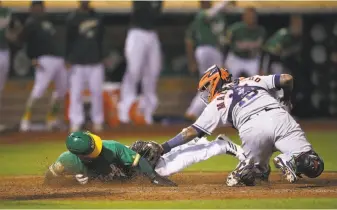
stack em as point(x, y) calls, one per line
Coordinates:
point(186, 135)
point(219, 6)
point(145, 167)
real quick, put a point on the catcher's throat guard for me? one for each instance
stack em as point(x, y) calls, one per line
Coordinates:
point(212, 81)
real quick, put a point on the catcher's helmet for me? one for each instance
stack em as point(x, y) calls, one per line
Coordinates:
point(212, 82)
point(85, 144)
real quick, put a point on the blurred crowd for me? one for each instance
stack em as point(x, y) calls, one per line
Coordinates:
point(242, 47)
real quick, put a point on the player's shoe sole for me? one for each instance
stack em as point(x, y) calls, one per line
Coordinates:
point(286, 168)
point(234, 178)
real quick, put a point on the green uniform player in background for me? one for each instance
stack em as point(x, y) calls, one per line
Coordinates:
point(245, 40)
point(90, 158)
point(282, 47)
point(39, 39)
point(204, 42)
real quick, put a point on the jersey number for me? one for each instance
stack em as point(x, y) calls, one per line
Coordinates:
point(255, 79)
point(248, 97)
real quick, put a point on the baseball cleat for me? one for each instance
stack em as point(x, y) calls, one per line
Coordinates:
point(52, 124)
point(232, 148)
point(235, 177)
point(24, 125)
point(288, 168)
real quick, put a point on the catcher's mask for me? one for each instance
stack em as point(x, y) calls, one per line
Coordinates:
point(84, 144)
point(212, 81)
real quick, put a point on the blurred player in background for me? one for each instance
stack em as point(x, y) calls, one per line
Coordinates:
point(143, 56)
point(84, 56)
point(245, 40)
point(5, 18)
point(38, 35)
point(205, 39)
point(282, 46)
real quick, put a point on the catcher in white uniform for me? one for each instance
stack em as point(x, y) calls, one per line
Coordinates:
point(263, 125)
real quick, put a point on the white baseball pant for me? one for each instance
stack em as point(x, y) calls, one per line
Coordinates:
point(188, 154)
point(80, 76)
point(270, 131)
point(4, 68)
point(237, 65)
point(206, 56)
point(51, 68)
point(143, 56)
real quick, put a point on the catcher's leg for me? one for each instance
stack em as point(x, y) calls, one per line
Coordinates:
point(297, 155)
point(195, 152)
point(258, 147)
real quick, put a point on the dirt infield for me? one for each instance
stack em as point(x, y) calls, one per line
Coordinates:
point(199, 186)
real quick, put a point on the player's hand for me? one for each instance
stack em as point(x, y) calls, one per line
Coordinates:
point(82, 179)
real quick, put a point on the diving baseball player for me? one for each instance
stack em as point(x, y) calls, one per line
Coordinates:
point(84, 57)
point(38, 35)
point(245, 40)
point(204, 40)
point(144, 62)
point(263, 125)
point(121, 159)
point(88, 157)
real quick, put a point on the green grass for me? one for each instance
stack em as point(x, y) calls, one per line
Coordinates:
point(34, 158)
point(188, 204)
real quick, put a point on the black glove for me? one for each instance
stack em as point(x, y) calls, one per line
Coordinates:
point(151, 151)
point(247, 176)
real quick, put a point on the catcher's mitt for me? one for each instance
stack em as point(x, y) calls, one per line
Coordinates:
point(149, 150)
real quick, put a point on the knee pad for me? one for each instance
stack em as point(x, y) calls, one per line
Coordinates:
point(309, 164)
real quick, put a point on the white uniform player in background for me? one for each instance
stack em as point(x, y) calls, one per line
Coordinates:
point(5, 18)
point(38, 37)
point(263, 125)
point(143, 56)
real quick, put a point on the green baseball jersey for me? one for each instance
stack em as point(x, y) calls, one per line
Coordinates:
point(243, 41)
point(283, 44)
point(115, 159)
point(39, 34)
point(84, 37)
point(204, 31)
point(5, 17)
